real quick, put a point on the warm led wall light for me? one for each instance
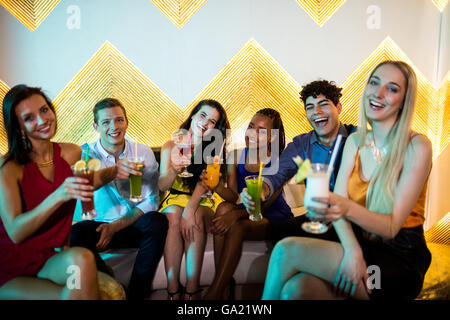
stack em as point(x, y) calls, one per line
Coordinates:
point(440, 4)
point(179, 11)
point(251, 80)
point(321, 10)
point(152, 115)
point(30, 12)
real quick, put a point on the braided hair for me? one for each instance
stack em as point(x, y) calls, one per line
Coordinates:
point(277, 124)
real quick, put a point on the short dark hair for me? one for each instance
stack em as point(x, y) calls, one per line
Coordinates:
point(19, 147)
point(108, 103)
point(327, 88)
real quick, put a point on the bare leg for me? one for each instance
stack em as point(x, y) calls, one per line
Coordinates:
point(219, 239)
point(304, 286)
point(290, 256)
point(173, 250)
point(51, 280)
point(195, 251)
point(242, 230)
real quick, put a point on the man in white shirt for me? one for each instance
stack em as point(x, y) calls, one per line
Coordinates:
point(121, 223)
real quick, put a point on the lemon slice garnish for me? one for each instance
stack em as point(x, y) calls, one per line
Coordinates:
point(303, 171)
point(94, 164)
point(80, 165)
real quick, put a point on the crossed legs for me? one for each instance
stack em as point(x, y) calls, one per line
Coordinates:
point(305, 268)
point(50, 282)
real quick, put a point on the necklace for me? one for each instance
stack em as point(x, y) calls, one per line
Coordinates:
point(48, 163)
point(377, 153)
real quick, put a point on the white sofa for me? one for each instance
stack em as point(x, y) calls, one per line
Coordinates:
point(250, 273)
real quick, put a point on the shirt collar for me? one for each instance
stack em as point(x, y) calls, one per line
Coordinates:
point(342, 131)
point(105, 154)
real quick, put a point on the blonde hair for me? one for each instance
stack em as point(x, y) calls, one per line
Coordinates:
point(380, 193)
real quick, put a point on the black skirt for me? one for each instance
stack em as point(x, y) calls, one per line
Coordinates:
point(399, 263)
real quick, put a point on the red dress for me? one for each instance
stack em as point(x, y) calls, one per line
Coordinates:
point(28, 258)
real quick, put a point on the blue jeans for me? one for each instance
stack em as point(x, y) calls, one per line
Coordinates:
point(148, 234)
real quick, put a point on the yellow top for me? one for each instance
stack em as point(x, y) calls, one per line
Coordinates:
point(357, 190)
point(182, 199)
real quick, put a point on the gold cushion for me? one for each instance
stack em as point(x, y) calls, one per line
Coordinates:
point(436, 285)
point(109, 288)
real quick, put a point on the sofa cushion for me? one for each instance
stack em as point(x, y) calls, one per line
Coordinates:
point(251, 268)
point(436, 285)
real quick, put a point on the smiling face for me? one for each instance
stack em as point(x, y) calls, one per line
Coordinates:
point(258, 131)
point(36, 119)
point(112, 126)
point(384, 94)
point(204, 121)
point(323, 115)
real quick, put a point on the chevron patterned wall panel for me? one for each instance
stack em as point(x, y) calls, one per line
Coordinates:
point(179, 11)
point(151, 114)
point(3, 142)
point(321, 10)
point(30, 12)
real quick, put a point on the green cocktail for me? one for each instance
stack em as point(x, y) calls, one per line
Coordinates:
point(254, 189)
point(136, 181)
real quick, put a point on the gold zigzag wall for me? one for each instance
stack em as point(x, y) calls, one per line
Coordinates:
point(321, 10)
point(33, 12)
point(440, 4)
point(179, 11)
point(251, 80)
point(152, 115)
point(30, 12)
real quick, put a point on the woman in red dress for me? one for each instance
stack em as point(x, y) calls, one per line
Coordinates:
point(38, 193)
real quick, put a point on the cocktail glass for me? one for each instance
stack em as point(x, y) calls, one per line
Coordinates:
point(317, 185)
point(185, 146)
point(136, 181)
point(212, 175)
point(254, 189)
point(87, 207)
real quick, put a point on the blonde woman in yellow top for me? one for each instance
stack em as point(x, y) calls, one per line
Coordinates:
point(186, 210)
point(377, 207)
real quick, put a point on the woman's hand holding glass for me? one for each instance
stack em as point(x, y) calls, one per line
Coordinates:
point(179, 161)
point(337, 208)
point(75, 188)
point(247, 200)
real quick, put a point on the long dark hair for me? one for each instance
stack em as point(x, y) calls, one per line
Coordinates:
point(277, 124)
point(19, 146)
point(222, 125)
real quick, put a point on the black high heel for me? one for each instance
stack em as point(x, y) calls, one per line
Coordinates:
point(191, 294)
point(172, 294)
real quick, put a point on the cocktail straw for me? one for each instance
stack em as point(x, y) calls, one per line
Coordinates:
point(333, 156)
point(86, 155)
point(260, 171)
